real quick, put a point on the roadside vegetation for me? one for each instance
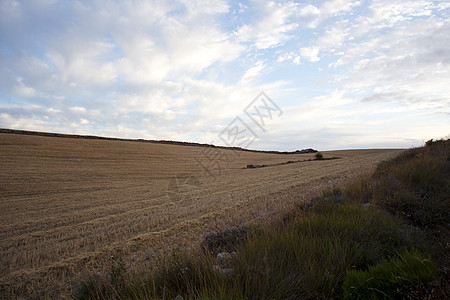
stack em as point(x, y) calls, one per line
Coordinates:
point(385, 236)
point(318, 156)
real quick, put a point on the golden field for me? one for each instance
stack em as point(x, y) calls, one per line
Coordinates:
point(69, 206)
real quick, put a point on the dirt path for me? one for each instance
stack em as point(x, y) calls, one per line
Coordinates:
point(70, 205)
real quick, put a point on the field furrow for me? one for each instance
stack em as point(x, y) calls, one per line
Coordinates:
point(70, 205)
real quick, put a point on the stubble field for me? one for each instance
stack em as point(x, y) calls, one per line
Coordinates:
point(69, 206)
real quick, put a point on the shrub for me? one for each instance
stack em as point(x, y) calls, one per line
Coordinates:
point(318, 156)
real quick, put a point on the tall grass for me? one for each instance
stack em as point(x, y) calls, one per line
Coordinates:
point(308, 258)
point(415, 186)
point(396, 277)
point(375, 237)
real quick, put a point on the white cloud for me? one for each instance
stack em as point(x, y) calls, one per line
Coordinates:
point(21, 89)
point(309, 10)
point(184, 69)
point(386, 14)
point(272, 26)
point(309, 15)
point(415, 77)
point(26, 123)
point(253, 73)
point(193, 50)
point(205, 7)
point(333, 7)
point(310, 53)
point(78, 109)
point(332, 38)
point(52, 110)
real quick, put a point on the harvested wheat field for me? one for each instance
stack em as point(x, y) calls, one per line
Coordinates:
point(70, 206)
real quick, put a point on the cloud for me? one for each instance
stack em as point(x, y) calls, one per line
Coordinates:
point(121, 57)
point(184, 69)
point(387, 14)
point(309, 10)
point(309, 16)
point(310, 53)
point(78, 109)
point(253, 73)
point(21, 89)
point(334, 7)
point(333, 38)
point(389, 74)
point(207, 8)
point(272, 25)
point(394, 73)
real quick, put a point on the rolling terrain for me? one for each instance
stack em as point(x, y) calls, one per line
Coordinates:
point(72, 205)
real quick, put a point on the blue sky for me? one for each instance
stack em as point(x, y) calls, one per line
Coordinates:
point(344, 74)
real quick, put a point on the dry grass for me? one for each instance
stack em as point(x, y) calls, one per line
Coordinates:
point(72, 205)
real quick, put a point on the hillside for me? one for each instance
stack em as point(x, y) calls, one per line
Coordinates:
point(380, 236)
point(69, 204)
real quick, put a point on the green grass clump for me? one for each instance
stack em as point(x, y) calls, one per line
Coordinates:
point(394, 278)
point(310, 258)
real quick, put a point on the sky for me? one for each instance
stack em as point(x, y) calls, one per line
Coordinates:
point(267, 75)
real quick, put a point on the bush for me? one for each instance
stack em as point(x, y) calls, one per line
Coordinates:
point(393, 278)
point(318, 156)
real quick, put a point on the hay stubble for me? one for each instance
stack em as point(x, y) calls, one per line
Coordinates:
point(69, 205)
